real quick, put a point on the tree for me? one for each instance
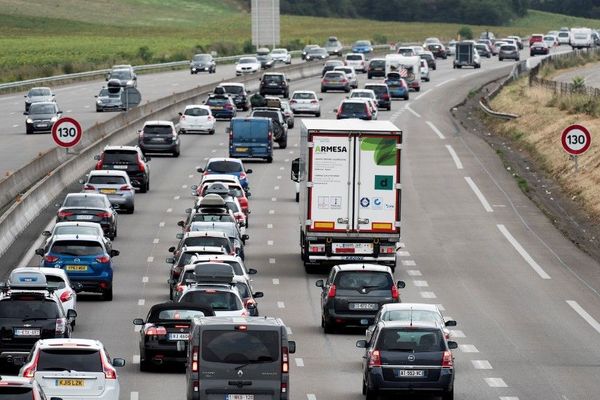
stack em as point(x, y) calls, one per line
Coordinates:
point(465, 33)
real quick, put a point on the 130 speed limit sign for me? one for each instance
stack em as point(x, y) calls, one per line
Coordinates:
point(66, 132)
point(576, 139)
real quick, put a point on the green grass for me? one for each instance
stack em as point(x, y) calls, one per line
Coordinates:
point(79, 35)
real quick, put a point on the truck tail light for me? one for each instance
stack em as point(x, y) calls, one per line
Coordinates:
point(99, 164)
point(316, 248)
point(331, 292)
point(285, 360)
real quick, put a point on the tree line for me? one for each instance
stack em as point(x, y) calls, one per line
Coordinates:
point(578, 8)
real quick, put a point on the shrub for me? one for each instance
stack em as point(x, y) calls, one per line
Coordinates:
point(144, 54)
point(465, 33)
point(378, 38)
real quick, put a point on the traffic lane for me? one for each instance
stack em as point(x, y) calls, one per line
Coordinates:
point(590, 75)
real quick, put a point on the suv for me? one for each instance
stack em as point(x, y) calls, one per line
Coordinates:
point(356, 60)
point(237, 91)
point(203, 62)
point(280, 128)
point(129, 159)
point(353, 294)
point(41, 117)
point(408, 356)
point(224, 350)
point(333, 46)
point(376, 68)
point(89, 207)
point(159, 137)
point(274, 83)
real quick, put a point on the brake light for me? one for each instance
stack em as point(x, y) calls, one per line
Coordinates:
point(155, 331)
point(64, 214)
point(447, 361)
point(30, 370)
point(103, 259)
point(228, 107)
point(50, 259)
point(179, 288)
point(99, 164)
point(375, 359)
point(284, 387)
point(125, 187)
point(345, 81)
point(141, 166)
point(210, 118)
point(270, 136)
point(293, 101)
point(66, 296)
point(89, 187)
point(395, 293)
point(285, 360)
point(61, 326)
point(195, 359)
point(109, 371)
point(103, 214)
point(331, 292)
point(314, 102)
point(243, 175)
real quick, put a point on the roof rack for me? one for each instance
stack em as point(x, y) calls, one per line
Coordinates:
point(212, 200)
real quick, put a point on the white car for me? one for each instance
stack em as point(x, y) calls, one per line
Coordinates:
point(551, 41)
point(424, 70)
point(305, 102)
point(281, 55)
point(350, 75)
point(225, 299)
point(196, 119)
point(74, 369)
point(356, 61)
point(406, 51)
point(564, 37)
point(247, 65)
point(372, 104)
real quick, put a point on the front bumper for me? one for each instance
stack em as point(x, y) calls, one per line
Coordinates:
point(39, 126)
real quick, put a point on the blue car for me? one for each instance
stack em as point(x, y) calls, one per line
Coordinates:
point(85, 259)
point(251, 138)
point(222, 106)
point(397, 86)
point(227, 166)
point(362, 46)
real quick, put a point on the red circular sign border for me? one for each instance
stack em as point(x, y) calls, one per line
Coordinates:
point(77, 137)
point(563, 139)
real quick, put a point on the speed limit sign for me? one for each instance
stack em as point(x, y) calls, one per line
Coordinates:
point(576, 139)
point(66, 132)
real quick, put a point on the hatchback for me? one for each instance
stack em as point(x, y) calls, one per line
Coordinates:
point(227, 166)
point(350, 75)
point(38, 95)
point(437, 49)
point(196, 119)
point(305, 102)
point(509, 51)
point(159, 137)
point(275, 84)
point(335, 80)
point(356, 61)
point(538, 48)
point(106, 100)
point(398, 86)
point(382, 93)
point(41, 117)
point(376, 68)
point(115, 185)
point(203, 62)
point(330, 65)
point(77, 228)
point(89, 207)
point(354, 108)
point(222, 106)
point(483, 50)
point(362, 46)
point(317, 53)
point(430, 59)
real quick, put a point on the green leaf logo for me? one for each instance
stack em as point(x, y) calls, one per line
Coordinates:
point(384, 150)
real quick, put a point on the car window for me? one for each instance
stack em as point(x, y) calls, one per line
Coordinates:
point(273, 78)
point(224, 167)
point(219, 301)
point(120, 156)
point(33, 308)
point(414, 315)
point(167, 315)
point(158, 130)
point(84, 201)
point(16, 393)
point(232, 205)
point(268, 114)
point(418, 340)
point(39, 92)
point(508, 48)
point(210, 218)
point(243, 289)
point(121, 74)
point(406, 52)
point(107, 180)
point(217, 101)
point(42, 109)
point(377, 63)
point(354, 57)
point(233, 89)
point(239, 347)
point(303, 96)
point(196, 112)
point(377, 89)
point(334, 76)
point(77, 230)
point(363, 279)
point(77, 248)
point(248, 60)
point(82, 360)
point(55, 282)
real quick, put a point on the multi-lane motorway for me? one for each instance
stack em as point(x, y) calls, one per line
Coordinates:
point(527, 301)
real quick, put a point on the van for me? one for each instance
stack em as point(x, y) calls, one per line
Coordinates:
point(251, 138)
point(581, 38)
point(238, 358)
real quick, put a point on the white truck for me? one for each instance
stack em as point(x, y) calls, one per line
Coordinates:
point(412, 66)
point(349, 191)
point(581, 38)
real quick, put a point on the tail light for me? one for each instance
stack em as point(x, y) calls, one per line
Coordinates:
point(66, 296)
point(61, 326)
point(317, 248)
point(103, 259)
point(230, 139)
point(345, 81)
point(50, 259)
point(331, 292)
point(395, 293)
point(89, 187)
point(339, 112)
point(228, 107)
point(375, 359)
point(285, 360)
point(103, 214)
point(210, 118)
point(447, 360)
point(109, 371)
point(30, 370)
point(293, 101)
point(314, 102)
point(250, 301)
point(243, 175)
point(284, 387)
point(270, 136)
point(179, 288)
point(125, 187)
point(155, 331)
point(141, 166)
point(386, 96)
point(99, 164)
point(195, 359)
point(64, 214)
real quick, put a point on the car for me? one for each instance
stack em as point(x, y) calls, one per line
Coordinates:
point(551, 40)
point(488, 35)
point(305, 102)
point(363, 93)
point(371, 104)
point(397, 86)
point(232, 183)
point(19, 388)
point(125, 76)
point(212, 205)
point(493, 49)
point(115, 185)
point(233, 230)
point(536, 37)
point(538, 48)
point(509, 51)
point(451, 48)
point(89, 207)
point(203, 62)
point(85, 259)
point(221, 350)
point(307, 48)
point(316, 53)
point(247, 65)
point(424, 69)
point(354, 108)
point(288, 114)
point(330, 65)
point(333, 46)
point(77, 228)
point(222, 106)
point(73, 369)
point(382, 94)
point(165, 332)
point(129, 159)
point(281, 55)
point(564, 37)
point(335, 80)
point(128, 67)
point(41, 117)
point(362, 46)
point(406, 51)
point(483, 50)
point(353, 294)
point(228, 166)
point(429, 59)
point(207, 239)
point(376, 67)
point(196, 118)
point(237, 91)
point(275, 83)
point(263, 55)
point(510, 41)
point(437, 49)
point(418, 50)
point(388, 370)
point(159, 136)
point(519, 41)
point(350, 75)
point(431, 40)
point(106, 100)
point(280, 128)
point(356, 61)
point(39, 95)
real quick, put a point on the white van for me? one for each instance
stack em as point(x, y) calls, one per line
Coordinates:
point(581, 38)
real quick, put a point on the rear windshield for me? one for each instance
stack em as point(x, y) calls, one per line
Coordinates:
point(39, 92)
point(563, 34)
point(364, 95)
point(237, 267)
point(107, 180)
point(228, 229)
point(158, 129)
point(377, 63)
point(69, 360)
point(42, 109)
point(217, 101)
point(224, 167)
point(304, 96)
point(16, 393)
point(208, 241)
point(248, 60)
point(77, 248)
point(120, 156)
point(210, 218)
point(353, 108)
point(77, 230)
point(317, 51)
point(336, 76)
point(55, 282)
point(418, 340)
point(84, 201)
point(426, 56)
point(250, 129)
point(272, 78)
point(346, 70)
point(167, 315)
point(196, 112)
point(32, 309)
point(334, 63)
point(406, 52)
point(121, 74)
point(240, 347)
point(354, 57)
point(508, 47)
point(232, 205)
point(377, 89)
point(219, 301)
point(267, 114)
point(233, 89)
point(363, 279)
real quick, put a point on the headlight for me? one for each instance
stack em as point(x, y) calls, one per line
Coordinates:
point(54, 119)
point(98, 101)
point(29, 121)
point(130, 83)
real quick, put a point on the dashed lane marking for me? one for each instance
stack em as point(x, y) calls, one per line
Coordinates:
point(269, 243)
point(299, 362)
point(169, 210)
point(273, 198)
point(280, 304)
point(275, 281)
point(156, 240)
point(421, 283)
point(454, 156)
point(479, 195)
point(141, 302)
point(136, 359)
point(584, 314)
point(269, 226)
point(176, 197)
point(456, 333)
point(310, 396)
point(134, 396)
point(428, 295)
point(150, 259)
point(144, 279)
point(271, 212)
point(403, 253)
point(271, 261)
point(468, 348)
point(481, 364)
point(278, 176)
point(276, 188)
point(414, 272)
point(495, 382)
point(435, 130)
point(161, 225)
point(408, 263)
point(443, 83)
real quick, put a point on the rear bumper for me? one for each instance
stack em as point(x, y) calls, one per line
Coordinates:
point(159, 354)
point(223, 114)
point(376, 381)
point(273, 90)
point(159, 148)
point(348, 319)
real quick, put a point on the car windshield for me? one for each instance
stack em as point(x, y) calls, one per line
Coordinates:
point(42, 109)
point(196, 112)
point(549, 38)
point(202, 57)
point(353, 108)
point(219, 301)
point(240, 347)
point(345, 69)
point(366, 95)
point(209, 218)
point(80, 360)
point(122, 74)
point(107, 180)
point(84, 201)
point(272, 78)
point(563, 34)
point(354, 57)
point(39, 92)
point(31, 308)
point(78, 230)
point(317, 51)
point(158, 129)
point(224, 167)
point(411, 315)
point(233, 206)
point(233, 89)
point(120, 156)
point(304, 96)
point(248, 60)
point(208, 241)
point(406, 52)
point(411, 340)
point(377, 63)
point(363, 279)
point(363, 43)
point(77, 248)
point(104, 92)
point(16, 393)
point(377, 89)
point(169, 315)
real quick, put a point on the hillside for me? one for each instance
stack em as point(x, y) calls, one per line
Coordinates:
point(579, 8)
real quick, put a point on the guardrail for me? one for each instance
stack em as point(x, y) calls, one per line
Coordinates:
point(517, 71)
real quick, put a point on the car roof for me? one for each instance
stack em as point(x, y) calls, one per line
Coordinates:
point(304, 91)
point(334, 72)
point(274, 73)
point(205, 234)
point(410, 306)
point(169, 305)
point(362, 91)
point(409, 324)
point(214, 159)
point(374, 84)
point(85, 195)
point(128, 148)
point(197, 106)
point(221, 177)
point(363, 267)
point(158, 122)
point(251, 321)
point(76, 223)
point(43, 270)
point(108, 172)
point(69, 343)
point(355, 100)
point(355, 54)
point(44, 102)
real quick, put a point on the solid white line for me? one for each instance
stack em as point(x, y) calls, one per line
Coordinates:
point(150, 259)
point(522, 252)
point(36, 245)
point(271, 261)
point(495, 382)
point(443, 83)
point(409, 263)
point(421, 283)
point(479, 195)
point(134, 396)
point(280, 304)
point(481, 364)
point(141, 302)
point(436, 130)
point(414, 272)
point(269, 243)
point(428, 295)
point(15, 125)
point(299, 362)
point(455, 333)
point(281, 168)
point(423, 94)
point(468, 348)
point(275, 281)
point(454, 157)
point(190, 176)
point(136, 359)
point(584, 314)
point(184, 186)
point(509, 398)
point(413, 112)
point(273, 198)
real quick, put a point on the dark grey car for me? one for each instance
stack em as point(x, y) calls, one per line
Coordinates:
point(353, 294)
point(203, 62)
point(89, 207)
point(109, 101)
point(509, 51)
point(126, 77)
point(41, 117)
point(37, 95)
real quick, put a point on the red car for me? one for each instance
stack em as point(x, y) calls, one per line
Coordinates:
point(535, 38)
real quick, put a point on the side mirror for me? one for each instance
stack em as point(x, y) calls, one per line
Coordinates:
point(138, 321)
point(361, 344)
point(147, 158)
point(25, 113)
point(97, 157)
point(39, 252)
point(452, 345)
point(172, 249)
point(46, 233)
point(114, 253)
point(320, 283)
point(71, 314)
point(180, 114)
point(291, 346)
point(258, 295)
point(295, 170)
point(251, 271)
point(179, 236)
point(248, 171)
point(59, 112)
point(96, 96)
point(400, 284)
point(248, 194)
point(77, 287)
point(200, 169)
point(118, 362)
point(188, 210)
point(194, 187)
point(170, 260)
point(450, 322)
point(181, 223)
point(245, 237)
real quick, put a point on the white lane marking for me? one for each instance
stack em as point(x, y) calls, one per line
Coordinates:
point(443, 83)
point(136, 359)
point(69, 111)
point(441, 307)
point(176, 197)
point(221, 144)
point(421, 283)
point(280, 304)
point(137, 328)
point(454, 156)
point(413, 112)
point(509, 398)
point(435, 130)
point(479, 195)
point(13, 113)
point(295, 144)
point(523, 252)
point(213, 151)
point(276, 188)
point(269, 243)
point(423, 94)
point(15, 125)
point(205, 158)
point(310, 396)
point(481, 364)
point(428, 295)
point(468, 348)
point(403, 253)
point(134, 396)
point(156, 240)
point(190, 176)
point(88, 106)
point(273, 198)
point(150, 259)
point(414, 272)
point(144, 279)
point(161, 225)
point(184, 186)
point(278, 176)
point(271, 212)
point(455, 333)
point(291, 151)
point(584, 314)
point(409, 263)
point(141, 302)
point(281, 168)
point(495, 382)
point(289, 330)
point(286, 160)
point(275, 281)
point(169, 210)
point(36, 245)
point(269, 226)
point(299, 362)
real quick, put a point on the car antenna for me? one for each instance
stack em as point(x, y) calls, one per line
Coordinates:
point(411, 310)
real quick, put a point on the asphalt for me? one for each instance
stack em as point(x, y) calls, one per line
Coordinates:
point(590, 74)
point(526, 299)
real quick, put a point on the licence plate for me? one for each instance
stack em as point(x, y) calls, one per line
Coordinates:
point(353, 248)
point(363, 306)
point(86, 217)
point(76, 267)
point(70, 382)
point(241, 149)
point(120, 166)
point(108, 191)
point(178, 336)
point(27, 332)
point(217, 108)
point(410, 373)
point(239, 397)
point(40, 125)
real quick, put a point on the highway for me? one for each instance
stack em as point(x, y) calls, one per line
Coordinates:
point(590, 74)
point(527, 301)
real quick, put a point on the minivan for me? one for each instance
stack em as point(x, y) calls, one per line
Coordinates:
point(251, 138)
point(238, 358)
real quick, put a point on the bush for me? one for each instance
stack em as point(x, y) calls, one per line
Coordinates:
point(145, 54)
point(465, 33)
point(378, 38)
point(295, 44)
point(247, 47)
point(578, 84)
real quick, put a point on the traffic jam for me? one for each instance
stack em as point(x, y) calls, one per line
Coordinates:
point(211, 324)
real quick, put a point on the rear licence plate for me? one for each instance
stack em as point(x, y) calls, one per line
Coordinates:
point(70, 382)
point(157, 139)
point(353, 248)
point(120, 166)
point(410, 373)
point(178, 336)
point(363, 306)
point(108, 191)
point(241, 149)
point(76, 268)
point(86, 217)
point(239, 397)
point(26, 332)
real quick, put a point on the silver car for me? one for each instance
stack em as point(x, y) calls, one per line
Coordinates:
point(305, 102)
point(350, 75)
point(38, 94)
point(115, 185)
point(508, 51)
point(288, 113)
point(281, 55)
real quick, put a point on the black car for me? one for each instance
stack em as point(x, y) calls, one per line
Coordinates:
point(307, 48)
point(376, 68)
point(330, 65)
point(263, 55)
point(316, 53)
point(237, 91)
point(406, 357)
point(438, 50)
point(280, 128)
point(159, 137)
point(274, 83)
point(164, 334)
point(203, 62)
point(382, 92)
point(430, 59)
point(89, 207)
point(177, 263)
point(353, 294)
point(129, 159)
point(41, 117)
point(538, 48)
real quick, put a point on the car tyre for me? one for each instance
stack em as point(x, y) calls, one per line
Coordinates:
point(406, 97)
point(269, 160)
point(132, 210)
point(283, 144)
point(29, 131)
point(107, 295)
point(318, 115)
point(297, 197)
point(145, 187)
point(176, 153)
point(145, 366)
point(328, 327)
point(449, 395)
point(323, 90)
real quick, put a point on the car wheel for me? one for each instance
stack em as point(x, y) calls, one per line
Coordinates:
point(372, 394)
point(28, 131)
point(211, 132)
point(283, 144)
point(98, 109)
point(369, 76)
point(132, 210)
point(171, 292)
point(323, 90)
point(318, 115)
point(499, 59)
point(449, 395)
point(269, 160)
point(176, 153)
point(406, 97)
point(364, 388)
point(328, 327)
point(145, 366)
point(435, 67)
point(145, 187)
point(107, 295)
point(114, 235)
